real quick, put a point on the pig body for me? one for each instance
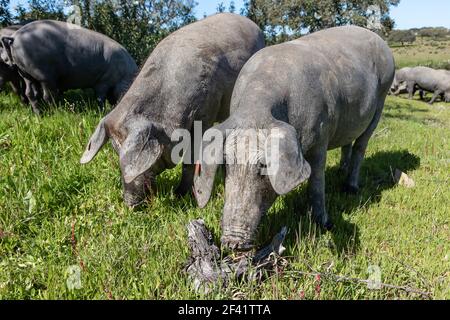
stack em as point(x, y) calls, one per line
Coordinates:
point(10, 74)
point(399, 86)
point(321, 92)
point(61, 56)
point(189, 77)
point(424, 79)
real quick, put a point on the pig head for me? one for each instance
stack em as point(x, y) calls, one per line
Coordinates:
point(140, 145)
point(255, 175)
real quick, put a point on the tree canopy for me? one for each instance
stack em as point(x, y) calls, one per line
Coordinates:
point(281, 19)
point(402, 36)
point(5, 14)
point(140, 24)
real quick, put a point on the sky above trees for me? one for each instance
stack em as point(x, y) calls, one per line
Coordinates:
point(409, 14)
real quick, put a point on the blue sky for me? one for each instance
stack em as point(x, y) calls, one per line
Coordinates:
point(409, 14)
point(209, 6)
point(421, 13)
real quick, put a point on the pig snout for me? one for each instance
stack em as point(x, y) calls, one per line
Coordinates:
point(235, 242)
point(239, 227)
point(137, 192)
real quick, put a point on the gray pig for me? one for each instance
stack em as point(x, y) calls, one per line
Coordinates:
point(314, 94)
point(399, 86)
point(189, 77)
point(62, 56)
point(427, 79)
point(9, 74)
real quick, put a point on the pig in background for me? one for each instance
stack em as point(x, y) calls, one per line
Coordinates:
point(9, 74)
point(423, 79)
point(58, 56)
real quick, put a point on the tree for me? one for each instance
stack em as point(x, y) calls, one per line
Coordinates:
point(138, 25)
point(289, 18)
point(220, 8)
point(41, 9)
point(232, 7)
point(5, 14)
point(388, 25)
point(402, 36)
point(434, 33)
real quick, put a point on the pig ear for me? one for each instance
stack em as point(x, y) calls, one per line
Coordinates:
point(286, 166)
point(139, 152)
point(206, 170)
point(96, 143)
point(6, 43)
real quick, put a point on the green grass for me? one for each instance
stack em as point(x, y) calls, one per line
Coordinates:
point(55, 214)
point(424, 52)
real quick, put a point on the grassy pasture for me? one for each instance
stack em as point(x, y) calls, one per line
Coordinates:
point(424, 52)
point(56, 214)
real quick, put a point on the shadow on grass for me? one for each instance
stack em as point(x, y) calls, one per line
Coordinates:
point(412, 113)
point(376, 177)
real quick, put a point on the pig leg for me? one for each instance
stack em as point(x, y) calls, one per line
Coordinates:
point(316, 188)
point(422, 94)
point(30, 93)
point(411, 87)
point(49, 93)
point(187, 179)
point(35, 86)
point(117, 93)
point(101, 92)
point(14, 86)
point(346, 158)
point(358, 154)
point(437, 93)
point(447, 97)
point(19, 83)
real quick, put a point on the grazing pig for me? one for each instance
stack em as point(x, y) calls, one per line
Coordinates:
point(399, 86)
point(302, 98)
point(9, 74)
point(189, 77)
point(61, 56)
point(427, 79)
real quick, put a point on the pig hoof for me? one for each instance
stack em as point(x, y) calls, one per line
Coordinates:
point(352, 190)
point(180, 192)
point(329, 226)
point(344, 169)
point(326, 225)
